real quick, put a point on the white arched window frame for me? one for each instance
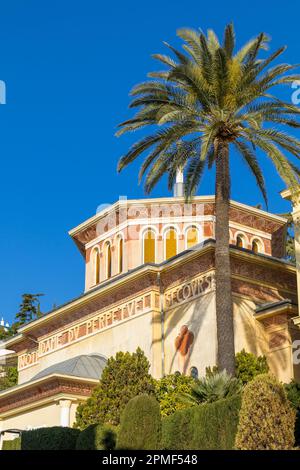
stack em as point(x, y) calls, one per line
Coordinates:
point(95, 258)
point(143, 235)
point(186, 231)
point(165, 233)
point(259, 242)
point(120, 249)
point(242, 237)
point(108, 259)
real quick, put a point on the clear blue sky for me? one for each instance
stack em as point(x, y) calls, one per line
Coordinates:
point(68, 67)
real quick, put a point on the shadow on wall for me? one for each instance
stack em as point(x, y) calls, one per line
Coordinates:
point(254, 338)
point(183, 325)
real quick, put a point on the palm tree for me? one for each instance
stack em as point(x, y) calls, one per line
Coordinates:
point(208, 100)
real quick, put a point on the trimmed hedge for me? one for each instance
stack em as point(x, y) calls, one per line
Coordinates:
point(293, 393)
point(267, 419)
point(140, 426)
point(210, 426)
point(54, 438)
point(97, 437)
point(13, 444)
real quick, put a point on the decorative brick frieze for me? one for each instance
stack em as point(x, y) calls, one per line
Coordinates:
point(179, 274)
point(275, 321)
point(278, 339)
point(257, 222)
point(278, 242)
point(120, 294)
point(256, 292)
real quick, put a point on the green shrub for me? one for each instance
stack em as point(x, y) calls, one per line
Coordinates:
point(124, 377)
point(140, 426)
point(210, 426)
point(13, 444)
point(54, 438)
point(267, 420)
point(168, 390)
point(249, 366)
point(211, 370)
point(10, 377)
point(177, 431)
point(213, 387)
point(97, 437)
point(293, 393)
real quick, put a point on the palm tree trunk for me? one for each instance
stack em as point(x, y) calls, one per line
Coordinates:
point(224, 304)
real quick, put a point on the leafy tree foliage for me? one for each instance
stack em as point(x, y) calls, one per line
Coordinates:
point(212, 388)
point(140, 427)
point(4, 333)
point(267, 419)
point(168, 391)
point(249, 366)
point(13, 444)
point(290, 240)
point(125, 376)
point(211, 370)
point(293, 393)
point(29, 308)
point(97, 437)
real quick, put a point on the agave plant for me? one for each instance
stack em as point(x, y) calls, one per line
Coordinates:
point(212, 388)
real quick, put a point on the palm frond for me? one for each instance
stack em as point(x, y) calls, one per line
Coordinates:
point(253, 164)
point(210, 93)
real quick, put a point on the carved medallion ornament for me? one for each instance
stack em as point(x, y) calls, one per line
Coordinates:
point(184, 340)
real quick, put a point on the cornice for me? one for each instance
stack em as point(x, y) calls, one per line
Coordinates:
point(28, 385)
point(13, 402)
point(38, 403)
point(170, 200)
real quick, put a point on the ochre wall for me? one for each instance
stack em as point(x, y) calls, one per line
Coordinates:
point(127, 336)
point(47, 415)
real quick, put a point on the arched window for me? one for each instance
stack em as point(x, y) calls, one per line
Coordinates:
point(170, 243)
point(256, 246)
point(192, 237)
point(239, 241)
point(108, 260)
point(149, 246)
point(96, 266)
point(194, 372)
point(120, 259)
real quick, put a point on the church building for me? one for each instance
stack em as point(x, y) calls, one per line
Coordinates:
point(150, 283)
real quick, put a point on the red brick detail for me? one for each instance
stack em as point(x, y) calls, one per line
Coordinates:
point(275, 321)
point(277, 339)
point(196, 266)
point(208, 229)
point(42, 391)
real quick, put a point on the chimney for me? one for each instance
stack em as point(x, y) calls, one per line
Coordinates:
point(179, 184)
